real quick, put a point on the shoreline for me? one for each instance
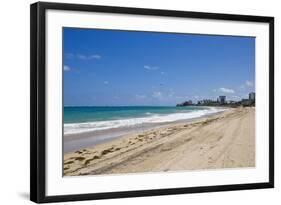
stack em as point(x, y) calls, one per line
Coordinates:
point(204, 143)
point(77, 141)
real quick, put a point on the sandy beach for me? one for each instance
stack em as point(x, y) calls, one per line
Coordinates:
point(225, 140)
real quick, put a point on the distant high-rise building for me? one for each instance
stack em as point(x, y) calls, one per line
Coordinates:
point(252, 96)
point(222, 99)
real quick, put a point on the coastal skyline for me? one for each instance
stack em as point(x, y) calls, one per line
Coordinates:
point(125, 68)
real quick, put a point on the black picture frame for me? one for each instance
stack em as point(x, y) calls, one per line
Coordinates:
point(38, 111)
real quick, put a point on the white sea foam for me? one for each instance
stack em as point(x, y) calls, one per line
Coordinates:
point(73, 128)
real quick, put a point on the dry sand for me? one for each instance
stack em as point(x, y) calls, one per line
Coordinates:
point(226, 140)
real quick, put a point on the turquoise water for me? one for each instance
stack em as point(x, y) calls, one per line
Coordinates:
point(91, 119)
point(92, 114)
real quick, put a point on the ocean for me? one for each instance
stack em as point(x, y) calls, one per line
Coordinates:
point(92, 118)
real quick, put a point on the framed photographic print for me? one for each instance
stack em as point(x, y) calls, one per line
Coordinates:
point(129, 102)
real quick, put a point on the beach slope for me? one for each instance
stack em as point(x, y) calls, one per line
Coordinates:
point(226, 140)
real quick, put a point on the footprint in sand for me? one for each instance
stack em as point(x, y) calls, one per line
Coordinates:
point(188, 139)
point(212, 147)
point(106, 151)
point(165, 149)
point(85, 152)
point(80, 158)
point(131, 142)
point(69, 162)
point(151, 136)
point(91, 159)
point(210, 160)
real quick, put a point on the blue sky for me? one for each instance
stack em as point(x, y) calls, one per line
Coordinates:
point(114, 68)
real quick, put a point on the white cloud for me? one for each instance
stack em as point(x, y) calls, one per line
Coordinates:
point(249, 83)
point(226, 90)
point(105, 82)
point(171, 94)
point(182, 97)
point(157, 94)
point(82, 56)
point(95, 56)
point(66, 68)
point(140, 96)
point(235, 97)
point(69, 55)
point(148, 67)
